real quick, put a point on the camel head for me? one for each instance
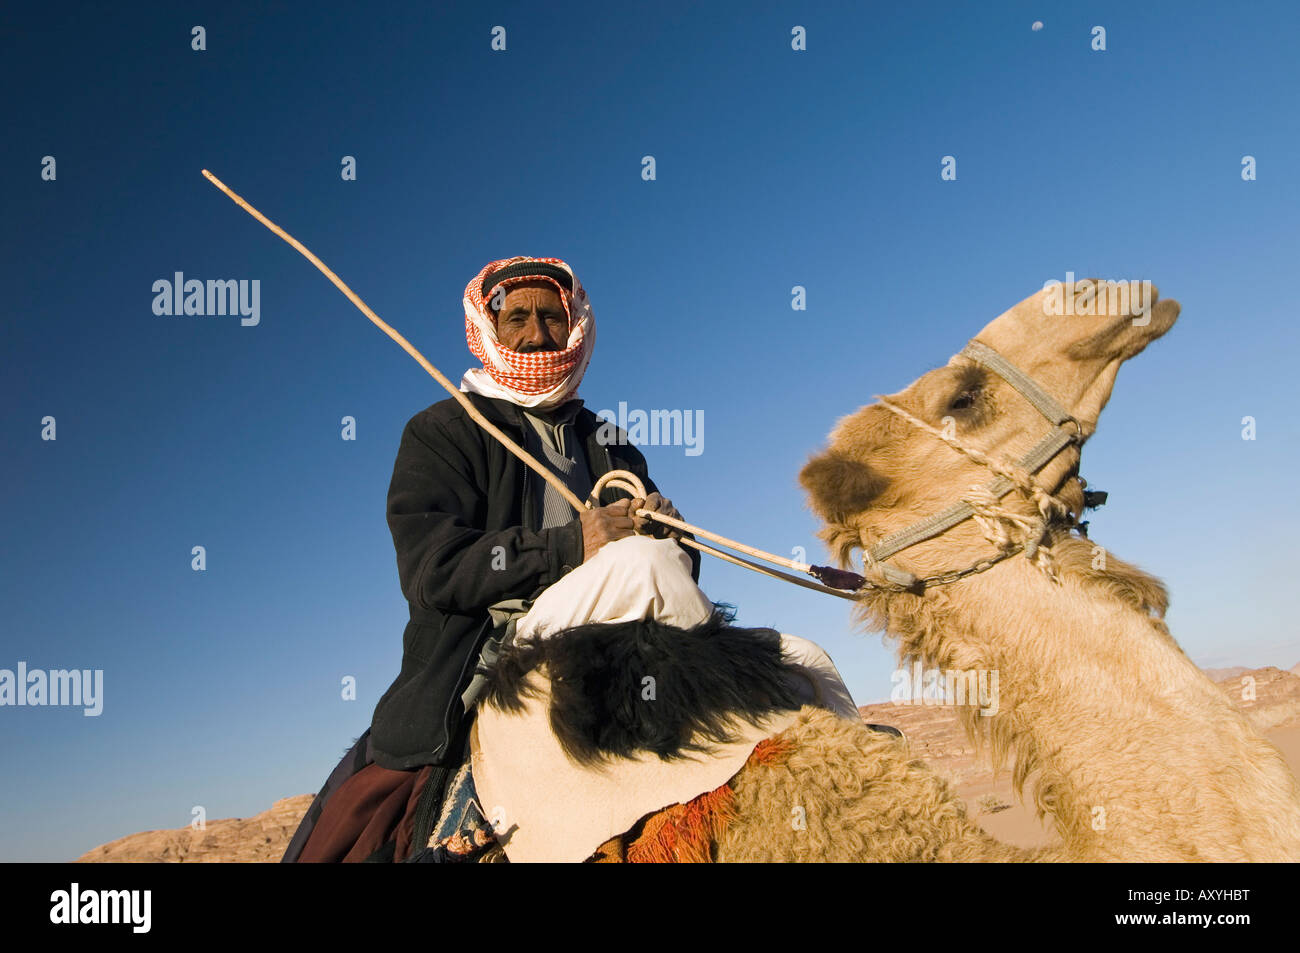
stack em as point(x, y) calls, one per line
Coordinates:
point(881, 473)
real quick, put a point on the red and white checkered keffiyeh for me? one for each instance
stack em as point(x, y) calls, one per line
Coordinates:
point(542, 379)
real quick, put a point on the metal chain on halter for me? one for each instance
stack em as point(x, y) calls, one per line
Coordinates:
point(953, 575)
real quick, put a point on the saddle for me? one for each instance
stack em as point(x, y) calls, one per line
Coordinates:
point(580, 736)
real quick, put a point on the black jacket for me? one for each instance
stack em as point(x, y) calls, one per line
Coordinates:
point(456, 496)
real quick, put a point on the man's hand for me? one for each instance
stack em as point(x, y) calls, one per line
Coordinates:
point(604, 524)
point(656, 504)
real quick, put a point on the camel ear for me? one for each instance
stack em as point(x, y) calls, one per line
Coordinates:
point(840, 487)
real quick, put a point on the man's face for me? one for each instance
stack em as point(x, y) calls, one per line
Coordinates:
point(532, 318)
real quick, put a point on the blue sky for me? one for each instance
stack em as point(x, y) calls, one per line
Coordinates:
point(775, 168)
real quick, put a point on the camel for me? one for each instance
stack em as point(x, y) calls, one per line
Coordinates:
point(1137, 756)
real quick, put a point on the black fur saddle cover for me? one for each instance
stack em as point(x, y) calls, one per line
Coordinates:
point(622, 688)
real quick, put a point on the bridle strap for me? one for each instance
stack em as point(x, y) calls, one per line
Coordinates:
point(1045, 403)
point(944, 520)
point(1065, 432)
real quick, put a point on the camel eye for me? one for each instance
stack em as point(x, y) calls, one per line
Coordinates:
point(965, 399)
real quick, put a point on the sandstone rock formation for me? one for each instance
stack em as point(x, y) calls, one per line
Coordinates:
point(261, 838)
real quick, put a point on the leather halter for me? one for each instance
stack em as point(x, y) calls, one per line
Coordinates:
point(1065, 431)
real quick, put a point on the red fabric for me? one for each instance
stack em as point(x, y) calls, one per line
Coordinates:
point(687, 833)
point(369, 809)
point(541, 372)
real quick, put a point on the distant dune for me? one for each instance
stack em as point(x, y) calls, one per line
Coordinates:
point(1219, 674)
point(932, 731)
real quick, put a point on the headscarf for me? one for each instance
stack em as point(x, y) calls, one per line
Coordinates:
point(541, 379)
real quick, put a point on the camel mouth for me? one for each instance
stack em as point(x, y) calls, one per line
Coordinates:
point(1125, 337)
point(1157, 321)
point(1146, 326)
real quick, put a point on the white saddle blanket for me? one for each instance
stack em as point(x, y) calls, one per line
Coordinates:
point(546, 807)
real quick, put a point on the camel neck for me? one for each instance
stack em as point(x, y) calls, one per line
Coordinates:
point(1101, 709)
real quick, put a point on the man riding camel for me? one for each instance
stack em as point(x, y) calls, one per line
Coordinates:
point(479, 538)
